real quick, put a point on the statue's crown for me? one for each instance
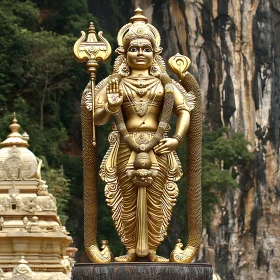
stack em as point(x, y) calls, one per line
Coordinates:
point(138, 16)
point(138, 28)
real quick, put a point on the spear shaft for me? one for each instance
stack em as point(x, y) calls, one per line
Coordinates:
point(92, 66)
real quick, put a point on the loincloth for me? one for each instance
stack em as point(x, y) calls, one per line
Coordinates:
point(121, 193)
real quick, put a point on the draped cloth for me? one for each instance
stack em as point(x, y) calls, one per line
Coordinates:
point(121, 193)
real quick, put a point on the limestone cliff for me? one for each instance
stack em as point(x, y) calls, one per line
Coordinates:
point(235, 53)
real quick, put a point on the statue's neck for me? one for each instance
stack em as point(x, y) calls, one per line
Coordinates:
point(135, 73)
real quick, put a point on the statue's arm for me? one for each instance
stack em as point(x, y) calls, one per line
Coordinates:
point(182, 124)
point(101, 116)
point(181, 110)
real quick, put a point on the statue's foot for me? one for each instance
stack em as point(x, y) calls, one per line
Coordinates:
point(153, 257)
point(129, 257)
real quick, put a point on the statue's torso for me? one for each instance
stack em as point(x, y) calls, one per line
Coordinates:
point(142, 103)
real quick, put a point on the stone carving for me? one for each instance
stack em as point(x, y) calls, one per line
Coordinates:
point(13, 202)
point(42, 188)
point(33, 226)
point(13, 192)
point(23, 195)
point(49, 203)
point(2, 172)
point(143, 271)
point(31, 205)
point(12, 165)
point(30, 171)
point(25, 221)
point(20, 245)
point(14, 168)
point(1, 222)
point(22, 271)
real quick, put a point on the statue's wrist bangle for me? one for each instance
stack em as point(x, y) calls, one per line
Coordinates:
point(108, 110)
point(178, 138)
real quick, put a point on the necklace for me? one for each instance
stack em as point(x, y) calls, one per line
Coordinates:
point(164, 120)
point(140, 106)
point(139, 85)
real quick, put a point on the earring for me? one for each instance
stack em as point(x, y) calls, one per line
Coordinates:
point(120, 66)
point(155, 69)
point(124, 69)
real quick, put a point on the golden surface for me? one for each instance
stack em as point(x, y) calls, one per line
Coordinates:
point(194, 207)
point(141, 166)
point(179, 64)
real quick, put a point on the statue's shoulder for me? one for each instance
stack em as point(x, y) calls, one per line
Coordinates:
point(189, 97)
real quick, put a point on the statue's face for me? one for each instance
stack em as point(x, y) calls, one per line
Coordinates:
point(140, 54)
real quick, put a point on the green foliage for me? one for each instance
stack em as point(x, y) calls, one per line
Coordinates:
point(12, 45)
point(47, 70)
point(58, 186)
point(66, 17)
point(226, 145)
point(223, 151)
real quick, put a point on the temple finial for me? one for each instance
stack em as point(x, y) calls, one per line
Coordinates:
point(15, 138)
point(14, 127)
point(14, 118)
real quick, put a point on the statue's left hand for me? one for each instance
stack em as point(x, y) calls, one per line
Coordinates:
point(167, 145)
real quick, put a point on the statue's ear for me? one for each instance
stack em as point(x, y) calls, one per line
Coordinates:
point(120, 66)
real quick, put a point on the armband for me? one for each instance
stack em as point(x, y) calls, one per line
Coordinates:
point(182, 106)
point(178, 138)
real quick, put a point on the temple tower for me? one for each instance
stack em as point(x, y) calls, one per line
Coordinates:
point(32, 240)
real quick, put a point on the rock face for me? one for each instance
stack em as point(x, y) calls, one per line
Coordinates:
point(235, 53)
point(33, 243)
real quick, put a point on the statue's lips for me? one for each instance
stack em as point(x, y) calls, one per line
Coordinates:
point(141, 59)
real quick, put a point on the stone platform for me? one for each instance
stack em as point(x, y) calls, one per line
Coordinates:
point(142, 271)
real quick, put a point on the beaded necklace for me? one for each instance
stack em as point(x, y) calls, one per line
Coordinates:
point(140, 106)
point(164, 119)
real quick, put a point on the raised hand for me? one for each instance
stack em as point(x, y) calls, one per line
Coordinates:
point(114, 95)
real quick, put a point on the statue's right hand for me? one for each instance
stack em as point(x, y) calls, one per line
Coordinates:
point(114, 95)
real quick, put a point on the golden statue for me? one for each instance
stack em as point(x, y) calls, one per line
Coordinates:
point(141, 166)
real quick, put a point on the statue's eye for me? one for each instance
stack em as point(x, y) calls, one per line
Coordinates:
point(147, 49)
point(133, 49)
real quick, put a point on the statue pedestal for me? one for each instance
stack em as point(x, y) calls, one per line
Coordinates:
point(142, 271)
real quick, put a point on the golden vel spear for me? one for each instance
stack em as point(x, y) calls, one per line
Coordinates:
point(92, 52)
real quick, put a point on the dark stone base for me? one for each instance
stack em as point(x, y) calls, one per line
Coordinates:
point(142, 271)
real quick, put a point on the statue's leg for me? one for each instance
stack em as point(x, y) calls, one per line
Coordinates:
point(157, 223)
point(128, 192)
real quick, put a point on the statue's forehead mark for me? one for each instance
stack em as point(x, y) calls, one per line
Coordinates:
point(140, 42)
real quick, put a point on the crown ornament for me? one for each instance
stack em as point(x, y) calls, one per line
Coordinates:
point(138, 28)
